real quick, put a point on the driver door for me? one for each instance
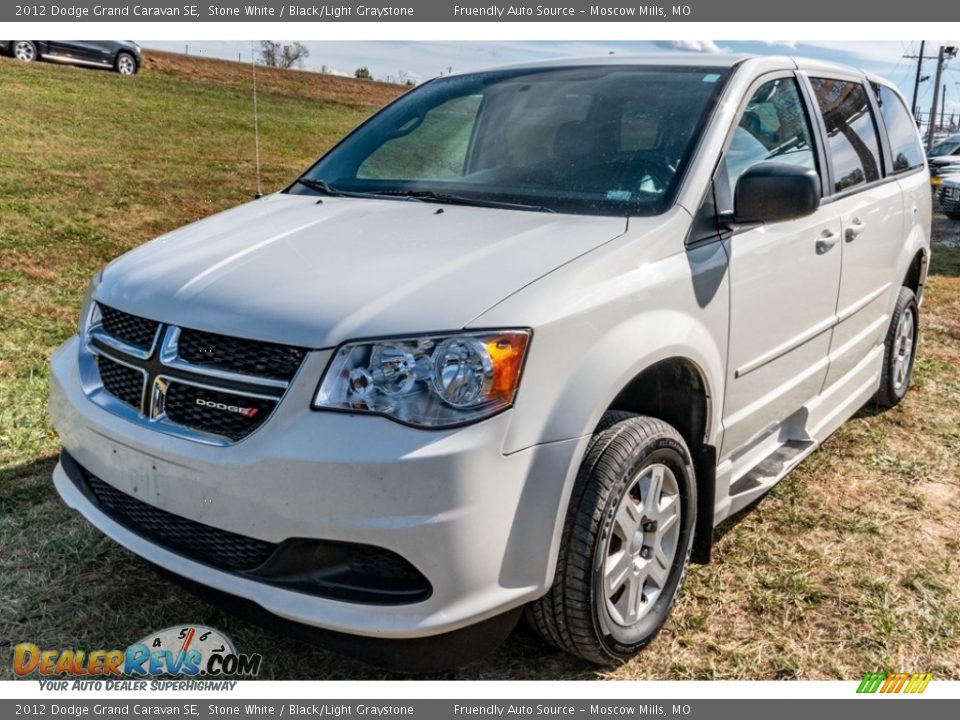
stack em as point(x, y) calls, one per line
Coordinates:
point(784, 279)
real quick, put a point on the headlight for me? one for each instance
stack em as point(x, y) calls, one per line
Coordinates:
point(429, 381)
point(86, 307)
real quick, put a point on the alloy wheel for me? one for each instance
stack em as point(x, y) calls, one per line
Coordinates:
point(125, 65)
point(25, 50)
point(903, 349)
point(642, 546)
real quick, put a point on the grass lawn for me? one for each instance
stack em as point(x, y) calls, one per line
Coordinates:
point(850, 565)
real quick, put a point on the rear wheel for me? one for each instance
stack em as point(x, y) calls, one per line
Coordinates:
point(625, 545)
point(125, 64)
point(25, 50)
point(900, 350)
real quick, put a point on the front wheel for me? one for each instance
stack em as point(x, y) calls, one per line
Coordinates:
point(625, 545)
point(25, 50)
point(125, 64)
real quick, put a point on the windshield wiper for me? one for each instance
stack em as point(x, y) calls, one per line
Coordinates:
point(321, 186)
point(439, 197)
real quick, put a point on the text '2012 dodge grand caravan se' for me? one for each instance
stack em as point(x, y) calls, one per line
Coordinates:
point(522, 339)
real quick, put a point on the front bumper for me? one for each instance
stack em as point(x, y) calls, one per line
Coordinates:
point(480, 525)
point(948, 199)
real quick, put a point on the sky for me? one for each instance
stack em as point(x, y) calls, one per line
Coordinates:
point(419, 61)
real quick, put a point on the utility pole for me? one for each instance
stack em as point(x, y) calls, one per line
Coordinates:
point(943, 104)
point(916, 83)
point(932, 122)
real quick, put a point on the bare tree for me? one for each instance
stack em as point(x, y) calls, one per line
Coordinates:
point(276, 54)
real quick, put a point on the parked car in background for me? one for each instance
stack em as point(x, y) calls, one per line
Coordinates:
point(948, 196)
point(522, 339)
point(945, 152)
point(121, 55)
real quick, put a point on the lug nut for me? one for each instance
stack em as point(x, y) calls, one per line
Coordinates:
point(645, 553)
point(650, 526)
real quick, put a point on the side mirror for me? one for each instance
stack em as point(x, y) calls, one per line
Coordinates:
point(773, 192)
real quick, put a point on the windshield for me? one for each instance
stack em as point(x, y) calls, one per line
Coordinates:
point(947, 147)
point(607, 140)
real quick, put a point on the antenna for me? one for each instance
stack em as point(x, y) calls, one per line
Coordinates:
point(256, 120)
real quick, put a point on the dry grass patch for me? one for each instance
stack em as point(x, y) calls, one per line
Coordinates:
point(300, 85)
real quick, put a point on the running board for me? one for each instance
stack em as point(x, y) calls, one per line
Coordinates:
point(768, 472)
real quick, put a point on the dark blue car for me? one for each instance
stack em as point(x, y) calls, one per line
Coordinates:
point(121, 55)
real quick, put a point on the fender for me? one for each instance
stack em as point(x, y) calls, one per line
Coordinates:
point(611, 362)
point(602, 321)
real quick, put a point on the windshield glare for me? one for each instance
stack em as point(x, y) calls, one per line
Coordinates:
point(607, 140)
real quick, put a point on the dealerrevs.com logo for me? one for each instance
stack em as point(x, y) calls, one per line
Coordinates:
point(181, 651)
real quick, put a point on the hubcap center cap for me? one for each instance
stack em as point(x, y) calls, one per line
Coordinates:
point(636, 543)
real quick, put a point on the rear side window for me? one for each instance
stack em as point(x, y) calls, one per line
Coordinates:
point(851, 134)
point(904, 140)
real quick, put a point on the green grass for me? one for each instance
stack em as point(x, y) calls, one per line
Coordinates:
point(850, 565)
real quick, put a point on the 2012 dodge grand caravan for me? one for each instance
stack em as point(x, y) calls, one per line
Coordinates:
point(522, 339)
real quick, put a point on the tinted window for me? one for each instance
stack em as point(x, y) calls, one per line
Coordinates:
point(774, 126)
point(904, 140)
point(851, 135)
point(606, 140)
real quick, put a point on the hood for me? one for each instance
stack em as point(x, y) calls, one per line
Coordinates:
point(291, 270)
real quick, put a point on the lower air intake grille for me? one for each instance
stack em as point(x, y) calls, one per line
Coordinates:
point(342, 571)
point(209, 545)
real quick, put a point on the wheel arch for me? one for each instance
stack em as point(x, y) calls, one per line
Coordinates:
point(676, 391)
point(917, 272)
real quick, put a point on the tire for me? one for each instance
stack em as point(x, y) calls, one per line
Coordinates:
point(125, 64)
point(953, 215)
point(608, 551)
point(899, 350)
point(25, 50)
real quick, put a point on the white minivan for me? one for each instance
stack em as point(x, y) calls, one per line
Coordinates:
point(520, 340)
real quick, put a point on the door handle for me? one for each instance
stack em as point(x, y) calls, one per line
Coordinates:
point(827, 240)
point(854, 229)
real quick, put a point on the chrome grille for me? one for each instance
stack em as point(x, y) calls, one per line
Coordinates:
point(190, 383)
